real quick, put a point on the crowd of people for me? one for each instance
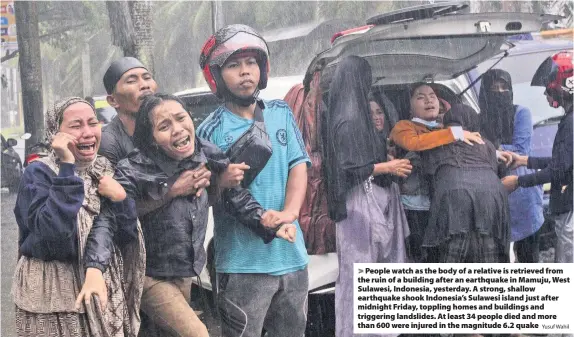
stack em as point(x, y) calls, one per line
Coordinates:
point(112, 223)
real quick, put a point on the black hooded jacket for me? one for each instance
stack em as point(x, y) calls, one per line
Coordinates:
point(175, 232)
point(351, 146)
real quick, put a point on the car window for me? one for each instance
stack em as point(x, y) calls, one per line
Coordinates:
point(521, 68)
point(105, 114)
point(200, 105)
point(543, 139)
point(200, 112)
point(533, 98)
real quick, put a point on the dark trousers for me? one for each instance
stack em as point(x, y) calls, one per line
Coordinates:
point(417, 221)
point(528, 249)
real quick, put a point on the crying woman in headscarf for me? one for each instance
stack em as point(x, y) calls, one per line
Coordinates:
point(509, 127)
point(81, 255)
point(362, 197)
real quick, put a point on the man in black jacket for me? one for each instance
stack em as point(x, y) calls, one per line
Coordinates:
point(127, 82)
point(556, 74)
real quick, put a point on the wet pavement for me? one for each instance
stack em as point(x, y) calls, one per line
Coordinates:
point(9, 251)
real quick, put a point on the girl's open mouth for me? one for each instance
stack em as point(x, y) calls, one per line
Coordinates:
point(182, 144)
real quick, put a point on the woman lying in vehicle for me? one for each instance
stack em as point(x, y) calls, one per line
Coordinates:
point(469, 219)
point(168, 150)
point(415, 134)
point(422, 132)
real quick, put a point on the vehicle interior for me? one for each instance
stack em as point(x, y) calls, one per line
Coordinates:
point(398, 96)
point(200, 105)
point(417, 44)
point(105, 114)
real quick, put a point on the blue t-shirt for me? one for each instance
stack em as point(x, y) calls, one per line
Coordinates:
point(525, 204)
point(237, 248)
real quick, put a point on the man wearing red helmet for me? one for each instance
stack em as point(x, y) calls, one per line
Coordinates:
point(556, 74)
point(259, 286)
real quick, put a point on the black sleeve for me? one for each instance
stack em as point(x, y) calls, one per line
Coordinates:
point(117, 220)
point(538, 163)
point(502, 170)
point(557, 169)
point(217, 161)
point(126, 176)
point(237, 201)
point(109, 148)
point(240, 203)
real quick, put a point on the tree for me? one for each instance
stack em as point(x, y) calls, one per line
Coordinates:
point(132, 29)
point(30, 68)
point(9, 55)
point(178, 44)
point(123, 34)
point(65, 30)
point(140, 12)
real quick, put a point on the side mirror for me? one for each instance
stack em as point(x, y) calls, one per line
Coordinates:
point(11, 142)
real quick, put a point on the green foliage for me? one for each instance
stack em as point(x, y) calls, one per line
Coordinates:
point(66, 24)
point(181, 28)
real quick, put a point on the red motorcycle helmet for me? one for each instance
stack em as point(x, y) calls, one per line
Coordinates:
point(556, 75)
point(229, 41)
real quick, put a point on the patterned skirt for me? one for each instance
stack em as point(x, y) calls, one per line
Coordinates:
point(62, 324)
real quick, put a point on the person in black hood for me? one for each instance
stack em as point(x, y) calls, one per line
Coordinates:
point(509, 127)
point(362, 198)
point(496, 107)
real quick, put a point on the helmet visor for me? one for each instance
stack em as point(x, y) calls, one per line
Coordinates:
point(239, 42)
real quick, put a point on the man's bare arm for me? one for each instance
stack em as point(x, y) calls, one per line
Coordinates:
point(296, 189)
